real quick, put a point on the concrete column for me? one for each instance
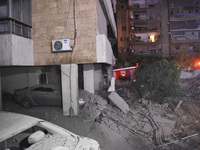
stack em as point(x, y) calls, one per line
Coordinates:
point(88, 73)
point(1, 105)
point(165, 28)
point(69, 75)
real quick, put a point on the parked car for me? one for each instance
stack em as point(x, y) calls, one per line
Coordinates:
point(18, 132)
point(44, 94)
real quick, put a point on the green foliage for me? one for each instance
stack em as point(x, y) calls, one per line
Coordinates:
point(159, 80)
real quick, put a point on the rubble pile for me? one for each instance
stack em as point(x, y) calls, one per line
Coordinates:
point(191, 87)
point(173, 124)
point(156, 124)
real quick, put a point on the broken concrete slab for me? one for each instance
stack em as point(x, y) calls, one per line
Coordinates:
point(112, 85)
point(119, 102)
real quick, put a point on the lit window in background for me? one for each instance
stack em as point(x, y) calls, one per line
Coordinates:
point(152, 38)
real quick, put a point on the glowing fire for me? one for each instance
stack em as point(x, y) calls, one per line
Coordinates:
point(197, 64)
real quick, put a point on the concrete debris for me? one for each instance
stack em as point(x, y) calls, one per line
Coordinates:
point(138, 120)
point(191, 88)
point(112, 85)
point(119, 102)
point(159, 125)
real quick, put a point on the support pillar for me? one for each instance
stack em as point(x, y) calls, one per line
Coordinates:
point(69, 76)
point(1, 105)
point(88, 73)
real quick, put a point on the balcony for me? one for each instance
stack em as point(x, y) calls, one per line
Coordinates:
point(145, 29)
point(149, 52)
point(15, 27)
point(16, 45)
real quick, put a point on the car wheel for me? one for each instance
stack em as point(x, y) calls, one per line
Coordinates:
point(26, 102)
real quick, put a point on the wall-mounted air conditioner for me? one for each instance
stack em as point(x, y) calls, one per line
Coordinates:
point(61, 45)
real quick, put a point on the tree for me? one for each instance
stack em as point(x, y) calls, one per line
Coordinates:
point(158, 81)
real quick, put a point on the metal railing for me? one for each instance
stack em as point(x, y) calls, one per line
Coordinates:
point(13, 27)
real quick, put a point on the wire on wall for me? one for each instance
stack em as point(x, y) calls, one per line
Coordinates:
point(74, 44)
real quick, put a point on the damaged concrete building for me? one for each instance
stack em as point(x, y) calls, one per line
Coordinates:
point(65, 42)
point(156, 27)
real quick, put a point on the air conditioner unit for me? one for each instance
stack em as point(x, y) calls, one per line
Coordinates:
point(61, 45)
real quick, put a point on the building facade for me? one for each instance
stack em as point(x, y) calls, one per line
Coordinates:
point(184, 21)
point(156, 27)
point(62, 42)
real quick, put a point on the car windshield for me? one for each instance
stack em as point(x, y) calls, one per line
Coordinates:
point(43, 136)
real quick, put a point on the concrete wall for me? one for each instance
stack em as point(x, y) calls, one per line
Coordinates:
point(54, 20)
point(70, 88)
point(93, 77)
point(104, 50)
point(98, 77)
point(88, 77)
point(15, 50)
point(20, 77)
point(1, 107)
point(14, 78)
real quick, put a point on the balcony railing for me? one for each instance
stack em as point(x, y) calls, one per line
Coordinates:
point(14, 27)
point(149, 52)
point(145, 29)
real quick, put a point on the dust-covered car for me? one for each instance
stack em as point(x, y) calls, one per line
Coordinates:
point(44, 94)
point(18, 132)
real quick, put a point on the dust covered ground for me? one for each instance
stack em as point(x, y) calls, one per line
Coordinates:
point(172, 125)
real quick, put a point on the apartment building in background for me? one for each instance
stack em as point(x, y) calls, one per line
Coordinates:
point(184, 21)
point(156, 27)
point(63, 42)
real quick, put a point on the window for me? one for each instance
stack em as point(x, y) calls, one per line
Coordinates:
point(3, 9)
point(191, 48)
point(136, 17)
point(177, 48)
point(19, 20)
point(122, 39)
point(123, 18)
point(123, 6)
point(153, 51)
point(178, 33)
point(132, 36)
point(136, 6)
point(123, 28)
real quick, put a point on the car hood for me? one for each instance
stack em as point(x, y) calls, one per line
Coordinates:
point(12, 123)
point(87, 144)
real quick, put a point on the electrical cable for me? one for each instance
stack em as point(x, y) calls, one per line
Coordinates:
point(74, 38)
point(71, 101)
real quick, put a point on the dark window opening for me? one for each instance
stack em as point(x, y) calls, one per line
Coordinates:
point(123, 7)
point(123, 28)
point(123, 18)
point(151, 6)
point(136, 6)
point(177, 48)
